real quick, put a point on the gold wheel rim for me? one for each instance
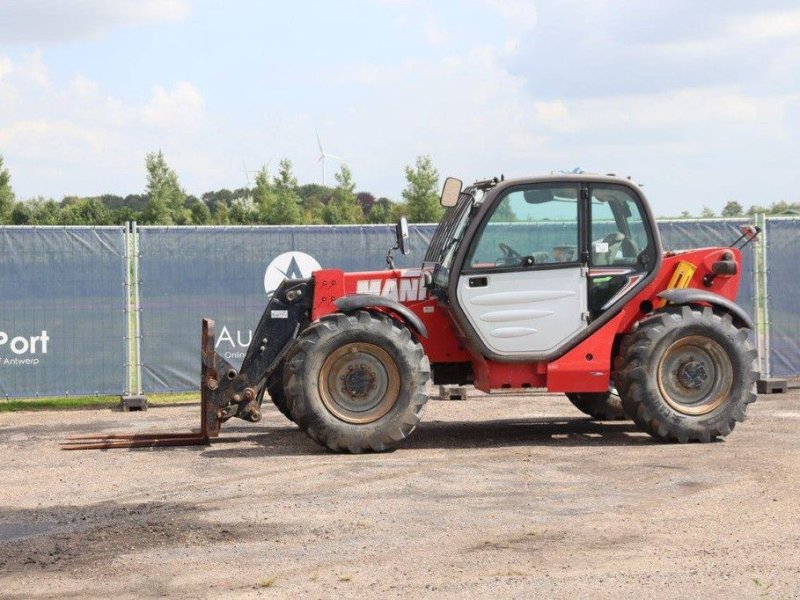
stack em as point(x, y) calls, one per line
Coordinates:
point(359, 383)
point(695, 375)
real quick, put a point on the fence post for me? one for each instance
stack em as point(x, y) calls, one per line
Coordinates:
point(135, 400)
point(766, 364)
point(138, 308)
point(128, 337)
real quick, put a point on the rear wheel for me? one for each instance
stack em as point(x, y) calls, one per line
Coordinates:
point(687, 374)
point(601, 406)
point(356, 382)
point(274, 388)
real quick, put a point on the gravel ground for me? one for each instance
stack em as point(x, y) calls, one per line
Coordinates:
point(505, 496)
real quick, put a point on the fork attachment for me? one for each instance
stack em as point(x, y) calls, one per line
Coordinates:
point(224, 392)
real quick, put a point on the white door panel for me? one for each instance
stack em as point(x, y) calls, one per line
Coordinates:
point(526, 312)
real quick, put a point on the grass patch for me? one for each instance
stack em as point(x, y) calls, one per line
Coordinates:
point(84, 402)
point(267, 582)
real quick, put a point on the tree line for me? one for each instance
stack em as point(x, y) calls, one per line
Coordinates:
point(273, 199)
point(735, 209)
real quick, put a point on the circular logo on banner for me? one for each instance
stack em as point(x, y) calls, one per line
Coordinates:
point(289, 265)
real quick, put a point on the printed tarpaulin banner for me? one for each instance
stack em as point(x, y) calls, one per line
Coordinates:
point(783, 259)
point(62, 311)
point(226, 272)
point(188, 273)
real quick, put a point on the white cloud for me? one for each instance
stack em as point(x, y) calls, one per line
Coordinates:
point(702, 108)
point(48, 21)
point(83, 87)
point(181, 108)
point(519, 13)
point(435, 34)
point(6, 66)
point(47, 137)
point(76, 138)
point(34, 69)
point(685, 98)
point(766, 26)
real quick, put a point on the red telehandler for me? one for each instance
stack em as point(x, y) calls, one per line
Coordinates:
point(556, 282)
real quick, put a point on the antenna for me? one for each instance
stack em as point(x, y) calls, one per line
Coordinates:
point(324, 155)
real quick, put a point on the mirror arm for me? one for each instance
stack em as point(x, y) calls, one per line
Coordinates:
point(390, 258)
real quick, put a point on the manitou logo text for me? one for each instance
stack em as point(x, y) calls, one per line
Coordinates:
point(405, 289)
point(24, 347)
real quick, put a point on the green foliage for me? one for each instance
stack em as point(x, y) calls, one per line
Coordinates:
point(505, 213)
point(277, 199)
point(273, 200)
point(221, 215)
point(343, 207)
point(6, 193)
point(732, 209)
point(201, 214)
point(244, 212)
point(85, 211)
point(381, 211)
point(21, 214)
point(286, 179)
point(422, 192)
point(166, 198)
point(46, 212)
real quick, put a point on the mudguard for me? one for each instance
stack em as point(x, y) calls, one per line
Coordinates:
point(353, 302)
point(695, 296)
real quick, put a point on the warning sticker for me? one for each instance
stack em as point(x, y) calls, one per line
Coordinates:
point(601, 247)
point(279, 314)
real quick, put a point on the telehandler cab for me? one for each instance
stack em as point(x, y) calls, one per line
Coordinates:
point(555, 282)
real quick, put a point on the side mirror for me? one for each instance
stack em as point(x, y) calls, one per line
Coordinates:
point(403, 237)
point(450, 192)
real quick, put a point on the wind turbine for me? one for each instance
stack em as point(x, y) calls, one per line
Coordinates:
point(323, 155)
point(247, 171)
point(247, 174)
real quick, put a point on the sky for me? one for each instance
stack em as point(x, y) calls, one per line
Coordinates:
point(697, 101)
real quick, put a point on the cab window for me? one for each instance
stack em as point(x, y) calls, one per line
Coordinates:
point(620, 246)
point(535, 225)
point(618, 233)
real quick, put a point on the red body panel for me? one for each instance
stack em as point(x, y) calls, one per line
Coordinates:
point(584, 368)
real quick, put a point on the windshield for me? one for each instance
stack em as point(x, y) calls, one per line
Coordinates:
point(451, 227)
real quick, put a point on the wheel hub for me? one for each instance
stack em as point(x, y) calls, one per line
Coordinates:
point(695, 375)
point(359, 382)
point(692, 375)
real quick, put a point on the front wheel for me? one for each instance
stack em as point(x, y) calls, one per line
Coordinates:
point(687, 375)
point(356, 382)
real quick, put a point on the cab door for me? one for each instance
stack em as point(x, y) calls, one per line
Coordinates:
point(523, 284)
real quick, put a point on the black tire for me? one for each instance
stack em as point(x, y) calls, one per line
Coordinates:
point(601, 406)
point(687, 374)
point(383, 373)
point(274, 388)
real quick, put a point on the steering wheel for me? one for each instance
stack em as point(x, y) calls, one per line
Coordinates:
point(629, 248)
point(510, 256)
point(617, 242)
